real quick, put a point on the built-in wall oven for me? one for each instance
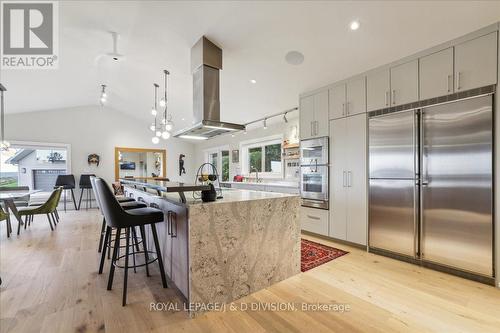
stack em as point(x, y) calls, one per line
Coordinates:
point(314, 172)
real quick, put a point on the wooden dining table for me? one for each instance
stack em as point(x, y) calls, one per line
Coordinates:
point(9, 198)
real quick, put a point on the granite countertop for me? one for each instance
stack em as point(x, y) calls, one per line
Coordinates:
point(232, 195)
point(274, 184)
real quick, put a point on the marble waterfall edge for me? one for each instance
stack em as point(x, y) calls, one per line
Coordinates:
point(238, 248)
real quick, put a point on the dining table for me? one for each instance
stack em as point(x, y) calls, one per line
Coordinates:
point(9, 197)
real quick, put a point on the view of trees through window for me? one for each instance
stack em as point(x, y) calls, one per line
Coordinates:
point(266, 158)
point(225, 165)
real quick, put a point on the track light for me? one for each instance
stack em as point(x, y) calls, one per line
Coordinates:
point(284, 118)
point(265, 123)
point(245, 131)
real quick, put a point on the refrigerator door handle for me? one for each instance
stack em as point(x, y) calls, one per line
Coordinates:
point(343, 178)
point(349, 179)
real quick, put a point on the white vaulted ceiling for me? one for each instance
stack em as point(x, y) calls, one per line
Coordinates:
point(255, 36)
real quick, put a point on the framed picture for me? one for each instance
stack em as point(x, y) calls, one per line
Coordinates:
point(235, 156)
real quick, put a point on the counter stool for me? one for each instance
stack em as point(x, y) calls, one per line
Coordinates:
point(68, 183)
point(126, 203)
point(86, 187)
point(126, 220)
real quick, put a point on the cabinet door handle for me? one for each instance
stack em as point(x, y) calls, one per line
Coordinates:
point(312, 128)
point(347, 108)
point(448, 83)
point(313, 217)
point(343, 109)
point(349, 179)
point(459, 74)
point(169, 221)
point(174, 219)
point(343, 178)
point(316, 128)
point(393, 96)
point(387, 98)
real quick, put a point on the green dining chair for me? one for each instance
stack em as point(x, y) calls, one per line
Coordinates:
point(5, 216)
point(48, 208)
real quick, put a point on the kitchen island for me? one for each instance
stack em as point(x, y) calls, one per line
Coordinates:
point(220, 251)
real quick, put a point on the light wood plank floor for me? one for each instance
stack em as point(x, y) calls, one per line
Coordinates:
point(50, 284)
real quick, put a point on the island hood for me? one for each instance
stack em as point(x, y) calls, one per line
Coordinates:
point(206, 63)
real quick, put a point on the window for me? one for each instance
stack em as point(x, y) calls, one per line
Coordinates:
point(219, 157)
point(263, 157)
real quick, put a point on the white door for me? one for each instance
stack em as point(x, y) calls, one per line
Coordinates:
point(306, 114)
point(377, 90)
point(476, 63)
point(404, 83)
point(357, 217)
point(337, 101)
point(338, 178)
point(356, 96)
point(436, 74)
point(321, 114)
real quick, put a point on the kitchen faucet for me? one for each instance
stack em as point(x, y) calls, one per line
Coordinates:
point(252, 169)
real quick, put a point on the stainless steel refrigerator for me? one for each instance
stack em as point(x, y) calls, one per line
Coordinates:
point(431, 184)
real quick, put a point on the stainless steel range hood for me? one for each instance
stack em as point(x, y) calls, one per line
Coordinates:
point(206, 62)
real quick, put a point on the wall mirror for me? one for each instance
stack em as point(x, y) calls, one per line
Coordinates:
point(140, 163)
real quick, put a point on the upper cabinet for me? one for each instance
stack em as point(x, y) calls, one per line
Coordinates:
point(436, 74)
point(404, 83)
point(314, 115)
point(348, 99)
point(476, 63)
point(378, 90)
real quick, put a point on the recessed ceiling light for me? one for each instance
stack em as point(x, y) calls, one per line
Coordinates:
point(294, 58)
point(253, 81)
point(354, 25)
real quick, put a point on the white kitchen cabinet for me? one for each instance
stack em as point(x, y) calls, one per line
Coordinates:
point(476, 62)
point(348, 200)
point(338, 194)
point(404, 83)
point(436, 74)
point(306, 115)
point(337, 101)
point(314, 220)
point(357, 197)
point(314, 115)
point(378, 90)
point(321, 114)
point(356, 96)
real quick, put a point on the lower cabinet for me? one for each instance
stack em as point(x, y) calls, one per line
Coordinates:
point(314, 220)
point(348, 182)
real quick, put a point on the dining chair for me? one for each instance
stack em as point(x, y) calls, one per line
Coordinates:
point(85, 187)
point(47, 208)
point(6, 217)
point(68, 183)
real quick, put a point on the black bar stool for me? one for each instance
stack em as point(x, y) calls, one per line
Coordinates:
point(68, 183)
point(127, 203)
point(117, 217)
point(85, 186)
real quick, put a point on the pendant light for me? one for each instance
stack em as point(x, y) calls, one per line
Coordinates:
point(167, 118)
point(154, 126)
point(4, 145)
point(104, 96)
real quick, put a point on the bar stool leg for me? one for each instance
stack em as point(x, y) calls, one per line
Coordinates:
point(90, 198)
point(8, 226)
point(74, 201)
point(103, 230)
point(80, 201)
point(132, 234)
point(103, 254)
point(158, 255)
point(115, 254)
point(125, 273)
point(144, 246)
point(26, 221)
point(64, 197)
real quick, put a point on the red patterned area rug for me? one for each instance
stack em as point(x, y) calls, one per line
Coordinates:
point(314, 254)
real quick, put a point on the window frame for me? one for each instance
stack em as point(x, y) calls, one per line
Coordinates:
point(262, 143)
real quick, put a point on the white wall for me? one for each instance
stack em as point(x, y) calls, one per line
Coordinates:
point(279, 127)
point(93, 130)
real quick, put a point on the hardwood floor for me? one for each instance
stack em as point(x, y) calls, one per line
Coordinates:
point(50, 284)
